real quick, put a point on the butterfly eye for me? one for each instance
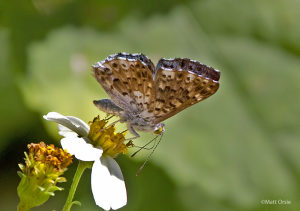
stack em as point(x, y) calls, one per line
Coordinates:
point(158, 131)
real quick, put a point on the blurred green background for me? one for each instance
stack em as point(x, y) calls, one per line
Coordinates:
point(228, 152)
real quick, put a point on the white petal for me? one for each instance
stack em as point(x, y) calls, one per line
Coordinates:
point(73, 123)
point(80, 149)
point(66, 132)
point(100, 181)
point(119, 197)
point(108, 184)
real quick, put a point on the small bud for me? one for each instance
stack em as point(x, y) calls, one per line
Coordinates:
point(44, 165)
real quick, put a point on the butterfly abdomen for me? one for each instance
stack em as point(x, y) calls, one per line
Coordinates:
point(108, 106)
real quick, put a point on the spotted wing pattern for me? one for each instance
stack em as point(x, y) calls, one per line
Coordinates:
point(128, 79)
point(180, 83)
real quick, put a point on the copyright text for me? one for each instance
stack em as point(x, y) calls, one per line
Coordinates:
point(275, 201)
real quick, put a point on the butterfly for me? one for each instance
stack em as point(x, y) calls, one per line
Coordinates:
point(144, 95)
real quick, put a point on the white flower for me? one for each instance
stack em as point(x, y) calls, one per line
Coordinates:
point(107, 181)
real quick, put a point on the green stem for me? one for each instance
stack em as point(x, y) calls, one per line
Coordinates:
point(82, 165)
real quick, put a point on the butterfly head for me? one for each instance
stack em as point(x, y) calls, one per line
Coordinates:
point(159, 128)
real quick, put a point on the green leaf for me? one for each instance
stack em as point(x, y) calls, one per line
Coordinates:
point(76, 203)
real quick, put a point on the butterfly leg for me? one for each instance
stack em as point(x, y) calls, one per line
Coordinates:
point(109, 107)
point(132, 130)
point(110, 125)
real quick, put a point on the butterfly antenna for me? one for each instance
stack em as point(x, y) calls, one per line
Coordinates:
point(144, 147)
point(149, 156)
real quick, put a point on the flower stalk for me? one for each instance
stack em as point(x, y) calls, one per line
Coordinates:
point(82, 165)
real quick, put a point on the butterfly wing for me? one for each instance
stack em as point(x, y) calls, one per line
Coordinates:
point(128, 80)
point(180, 83)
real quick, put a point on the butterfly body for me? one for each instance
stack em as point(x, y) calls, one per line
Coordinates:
point(134, 121)
point(143, 95)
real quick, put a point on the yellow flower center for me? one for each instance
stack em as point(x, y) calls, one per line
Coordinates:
point(49, 156)
point(112, 143)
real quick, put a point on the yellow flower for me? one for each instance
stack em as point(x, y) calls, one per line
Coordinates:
point(44, 165)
